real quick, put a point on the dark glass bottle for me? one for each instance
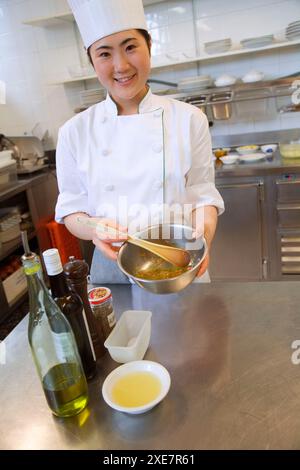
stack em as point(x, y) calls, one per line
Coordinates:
point(71, 306)
point(76, 272)
point(53, 344)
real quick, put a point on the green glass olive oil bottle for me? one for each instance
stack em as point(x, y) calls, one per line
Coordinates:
point(52, 344)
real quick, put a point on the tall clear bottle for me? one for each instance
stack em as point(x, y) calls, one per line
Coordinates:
point(53, 344)
point(71, 306)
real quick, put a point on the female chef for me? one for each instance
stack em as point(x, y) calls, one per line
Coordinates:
point(128, 156)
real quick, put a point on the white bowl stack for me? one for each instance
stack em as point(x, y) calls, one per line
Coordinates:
point(90, 97)
point(217, 47)
point(195, 83)
point(292, 31)
point(260, 41)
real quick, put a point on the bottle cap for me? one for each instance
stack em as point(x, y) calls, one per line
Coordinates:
point(98, 295)
point(52, 262)
point(76, 269)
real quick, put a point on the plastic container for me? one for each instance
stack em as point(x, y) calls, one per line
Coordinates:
point(6, 156)
point(10, 226)
point(8, 173)
point(130, 338)
point(290, 149)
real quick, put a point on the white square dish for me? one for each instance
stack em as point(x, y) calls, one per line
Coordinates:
point(130, 337)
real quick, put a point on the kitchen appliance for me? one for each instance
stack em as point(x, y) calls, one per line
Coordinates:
point(27, 151)
point(7, 144)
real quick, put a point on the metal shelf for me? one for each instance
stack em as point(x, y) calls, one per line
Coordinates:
point(238, 92)
point(244, 91)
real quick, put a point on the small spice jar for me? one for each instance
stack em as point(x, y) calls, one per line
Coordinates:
point(100, 299)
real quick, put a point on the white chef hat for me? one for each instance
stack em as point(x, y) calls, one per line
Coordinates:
point(99, 18)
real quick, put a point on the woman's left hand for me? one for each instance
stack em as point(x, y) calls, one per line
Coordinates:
point(205, 221)
point(203, 266)
point(205, 262)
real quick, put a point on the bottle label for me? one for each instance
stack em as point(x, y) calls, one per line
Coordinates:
point(89, 334)
point(111, 319)
point(62, 344)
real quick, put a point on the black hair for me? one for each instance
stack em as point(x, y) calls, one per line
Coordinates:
point(143, 32)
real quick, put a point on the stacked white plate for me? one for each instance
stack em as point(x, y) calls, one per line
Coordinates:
point(260, 41)
point(293, 30)
point(252, 157)
point(90, 97)
point(217, 47)
point(195, 83)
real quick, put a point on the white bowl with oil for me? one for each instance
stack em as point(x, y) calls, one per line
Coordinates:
point(136, 387)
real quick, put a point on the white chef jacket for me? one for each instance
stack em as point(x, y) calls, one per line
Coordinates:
point(160, 155)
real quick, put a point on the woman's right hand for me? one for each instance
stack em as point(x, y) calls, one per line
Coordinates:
point(104, 241)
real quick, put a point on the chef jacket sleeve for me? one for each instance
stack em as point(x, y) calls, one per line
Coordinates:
point(200, 178)
point(72, 194)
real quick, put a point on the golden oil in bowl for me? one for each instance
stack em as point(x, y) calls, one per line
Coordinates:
point(136, 389)
point(159, 269)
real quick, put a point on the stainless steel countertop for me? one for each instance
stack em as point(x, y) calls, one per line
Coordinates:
point(265, 167)
point(227, 347)
point(270, 165)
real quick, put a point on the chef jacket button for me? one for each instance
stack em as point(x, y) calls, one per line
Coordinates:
point(157, 147)
point(103, 119)
point(105, 152)
point(157, 185)
point(109, 187)
point(157, 114)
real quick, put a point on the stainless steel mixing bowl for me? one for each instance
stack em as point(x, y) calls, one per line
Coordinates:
point(133, 259)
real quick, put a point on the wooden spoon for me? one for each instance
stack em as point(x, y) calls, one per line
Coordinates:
point(172, 254)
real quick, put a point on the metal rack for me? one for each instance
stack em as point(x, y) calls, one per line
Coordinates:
point(240, 91)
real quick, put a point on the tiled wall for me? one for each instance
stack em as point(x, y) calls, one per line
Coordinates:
point(31, 58)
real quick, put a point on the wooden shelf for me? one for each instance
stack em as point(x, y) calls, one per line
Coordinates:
point(204, 58)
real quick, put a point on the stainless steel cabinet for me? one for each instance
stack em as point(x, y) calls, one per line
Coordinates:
point(288, 225)
point(238, 247)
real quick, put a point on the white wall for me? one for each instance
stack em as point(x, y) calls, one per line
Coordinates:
point(31, 58)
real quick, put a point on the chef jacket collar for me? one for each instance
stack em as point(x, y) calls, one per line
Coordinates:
point(147, 105)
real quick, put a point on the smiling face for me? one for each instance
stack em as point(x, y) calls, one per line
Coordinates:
point(122, 64)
